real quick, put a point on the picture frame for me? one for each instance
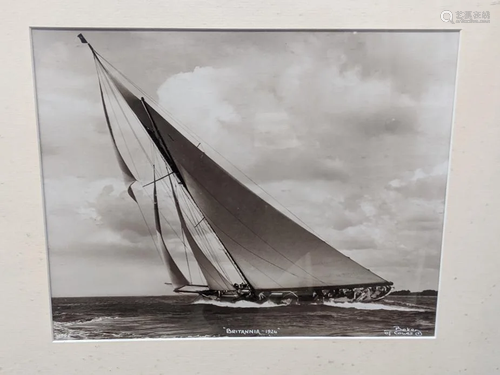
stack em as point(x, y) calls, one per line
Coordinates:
point(351, 146)
point(466, 307)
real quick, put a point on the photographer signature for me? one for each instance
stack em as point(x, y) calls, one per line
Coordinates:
point(398, 331)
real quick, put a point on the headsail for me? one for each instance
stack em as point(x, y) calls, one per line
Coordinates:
point(127, 173)
point(176, 276)
point(215, 280)
point(272, 251)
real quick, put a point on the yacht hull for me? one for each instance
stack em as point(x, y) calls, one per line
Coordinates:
point(297, 297)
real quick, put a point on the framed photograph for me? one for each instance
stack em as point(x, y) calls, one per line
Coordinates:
point(208, 187)
point(280, 183)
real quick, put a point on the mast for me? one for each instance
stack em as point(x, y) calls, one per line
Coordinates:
point(174, 168)
point(160, 143)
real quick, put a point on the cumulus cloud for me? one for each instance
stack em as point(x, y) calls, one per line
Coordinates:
point(350, 137)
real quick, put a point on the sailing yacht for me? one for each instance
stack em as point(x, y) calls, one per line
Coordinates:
point(273, 258)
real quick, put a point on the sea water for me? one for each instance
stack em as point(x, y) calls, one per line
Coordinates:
point(179, 317)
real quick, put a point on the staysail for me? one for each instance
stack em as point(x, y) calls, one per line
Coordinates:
point(176, 276)
point(271, 250)
point(215, 280)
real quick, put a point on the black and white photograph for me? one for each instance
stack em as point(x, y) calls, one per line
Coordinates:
point(244, 183)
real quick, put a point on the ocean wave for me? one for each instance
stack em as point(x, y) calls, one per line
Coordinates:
point(371, 306)
point(69, 332)
point(63, 332)
point(346, 305)
point(238, 304)
point(78, 331)
point(401, 303)
point(95, 320)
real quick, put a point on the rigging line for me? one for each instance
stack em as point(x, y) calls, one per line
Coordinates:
point(162, 215)
point(121, 131)
point(224, 287)
point(223, 261)
point(164, 218)
point(153, 154)
point(144, 93)
point(200, 236)
point(186, 253)
point(147, 134)
point(150, 233)
point(203, 237)
point(135, 134)
point(258, 256)
point(205, 243)
point(187, 260)
point(159, 179)
point(113, 110)
point(256, 235)
point(269, 195)
point(201, 275)
point(127, 119)
point(182, 237)
point(192, 214)
point(171, 211)
point(221, 246)
point(214, 252)
point(199, 222)
point(150, 196)
point(191, 207)
point(123, 136)
point(199, 138)
point(140, 210)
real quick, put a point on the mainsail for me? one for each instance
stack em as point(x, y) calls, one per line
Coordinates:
point(270, 250)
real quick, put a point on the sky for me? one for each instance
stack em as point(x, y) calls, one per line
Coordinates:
point(349, 131)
